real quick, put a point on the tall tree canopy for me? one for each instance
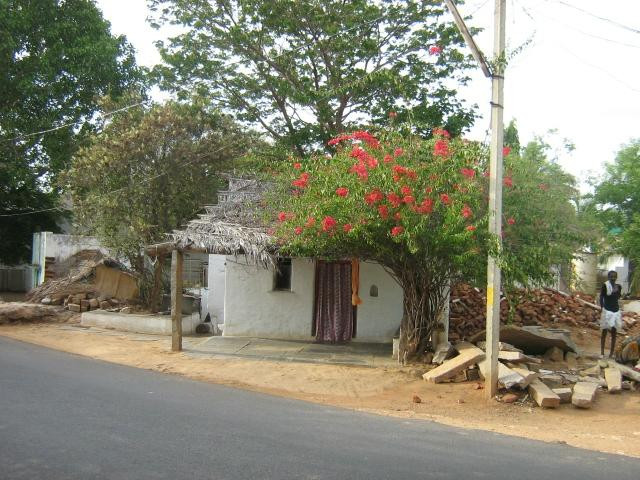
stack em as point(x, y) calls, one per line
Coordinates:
point(617, 197)
point(58, 57)
point(148, 171)
point(419, 209)
point(305, 70)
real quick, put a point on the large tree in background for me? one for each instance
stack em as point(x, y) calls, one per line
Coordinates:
point(419, 209)
point(305, 70)
point(617, 197)
point(148, 171)
point(58, 58)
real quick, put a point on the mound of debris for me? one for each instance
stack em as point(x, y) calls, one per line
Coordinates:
point(559, 375)
point(543, 307)
point(19, 312)
point(87, 280)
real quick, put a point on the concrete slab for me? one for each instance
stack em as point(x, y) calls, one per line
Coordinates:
point(614, 379)
point(583, 394)
point(507, 378)
point(533, 340)
point(543, 395)
point(469, 354)
point(154, 324)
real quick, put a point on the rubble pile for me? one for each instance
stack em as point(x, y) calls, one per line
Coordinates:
point(20, 312)
point(543, 307)
point(542, 366)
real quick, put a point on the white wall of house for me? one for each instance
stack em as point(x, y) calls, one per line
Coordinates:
point(620, 265)
point(214, 304)
point(253, 308)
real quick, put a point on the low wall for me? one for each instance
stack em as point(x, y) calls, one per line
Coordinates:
point(131, 322)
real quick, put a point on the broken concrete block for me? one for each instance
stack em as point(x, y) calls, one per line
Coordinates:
point(516, 357)
point(592, 372)
point(630, 373)
point(614, 379)
point(73, 307)
point(443, 352)
point(583, 394)
point(527, 376)
point(601, 382)
point(502, 346)
point(564, 394)
point(533, 340)
point(469, 354)
point(572, 359)
point(570, 378)
point(543, 395)
point(93, 303)
point(507, 378)
point(554, 354)
point(552, 380)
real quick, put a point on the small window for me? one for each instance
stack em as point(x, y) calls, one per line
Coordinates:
point(283, 274)
point(373, 291)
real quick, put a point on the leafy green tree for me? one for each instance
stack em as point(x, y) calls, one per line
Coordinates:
point(419, 208)
point(148, 171)
point(305, 70)
point(617, 197)
point(57, 58)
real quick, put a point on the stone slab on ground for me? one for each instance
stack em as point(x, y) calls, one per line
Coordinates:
point(469, 354)
point(552, 380)
point(583, 394)
point(630, 373)
point(564, 394)
point(533, 340)
point(517, 357)
point(507, 378)
point(527, 376)
point(543, 395)
point(614, 379)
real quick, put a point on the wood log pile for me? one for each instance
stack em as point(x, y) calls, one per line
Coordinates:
point(543, 307)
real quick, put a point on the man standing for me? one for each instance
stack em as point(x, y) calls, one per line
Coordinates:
point(611, 317)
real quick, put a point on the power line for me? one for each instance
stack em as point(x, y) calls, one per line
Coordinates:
point(604, 19)
point(618, 42)
point(59, 127)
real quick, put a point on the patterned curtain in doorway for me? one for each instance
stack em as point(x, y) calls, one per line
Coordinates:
point(333, 309)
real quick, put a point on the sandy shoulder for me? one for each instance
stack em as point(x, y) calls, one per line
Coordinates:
point(612, 425)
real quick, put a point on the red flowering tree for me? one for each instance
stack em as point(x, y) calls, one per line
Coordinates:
point(418, 208)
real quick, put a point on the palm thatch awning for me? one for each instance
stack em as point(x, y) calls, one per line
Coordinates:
point(235, 226)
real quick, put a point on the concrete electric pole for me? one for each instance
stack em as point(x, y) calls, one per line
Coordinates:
point(495, 178)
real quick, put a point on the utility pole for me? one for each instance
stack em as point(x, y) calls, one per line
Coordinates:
point(495, 179)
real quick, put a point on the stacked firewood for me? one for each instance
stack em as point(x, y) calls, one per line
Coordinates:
point(545, 307)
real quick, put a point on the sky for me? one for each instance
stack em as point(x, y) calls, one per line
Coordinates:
point(576, 74)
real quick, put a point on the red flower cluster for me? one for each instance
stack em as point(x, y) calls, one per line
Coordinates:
point(425, 207)
point(383, 211)
point(297, 230)
point(360, 169)
point(441, 148)
point(439, 132)
point(282, 216)
point(508, 181)
point(470, 228)
point(446, 199)
point(328, 223)
point(397, 152)
point(506, 151)
point(392, 114)
point(399, 171)
point(468, 172)
point(467, 212)
point(511, 220)
point(342, 191)
point(373, 197)
point(394, 200)
point(366, 137)
point(387, 158)
point(397, 230)
point(406, 190)
point(310, 222)
point(434, 50)
point(408, 199)
point(347, 227)
point(297, 165)
point(301, 181)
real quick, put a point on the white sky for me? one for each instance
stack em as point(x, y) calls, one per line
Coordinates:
point(567, 78)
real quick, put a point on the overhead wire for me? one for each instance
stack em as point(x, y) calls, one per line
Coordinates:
point(604, 19)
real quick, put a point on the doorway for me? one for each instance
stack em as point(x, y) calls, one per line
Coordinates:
point(334, 317)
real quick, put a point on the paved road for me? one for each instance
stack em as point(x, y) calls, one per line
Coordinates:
point(68, 417)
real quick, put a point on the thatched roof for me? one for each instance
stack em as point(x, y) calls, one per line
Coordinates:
point(234, 226)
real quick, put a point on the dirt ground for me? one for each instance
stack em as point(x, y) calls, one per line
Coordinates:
point(612, 425)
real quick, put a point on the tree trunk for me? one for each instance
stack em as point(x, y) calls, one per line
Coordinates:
point(423, 304)
point(156, 289)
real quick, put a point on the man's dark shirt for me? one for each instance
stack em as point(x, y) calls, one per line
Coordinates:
point(610, 302)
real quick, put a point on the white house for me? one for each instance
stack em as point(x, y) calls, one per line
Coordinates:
point(252, 292)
